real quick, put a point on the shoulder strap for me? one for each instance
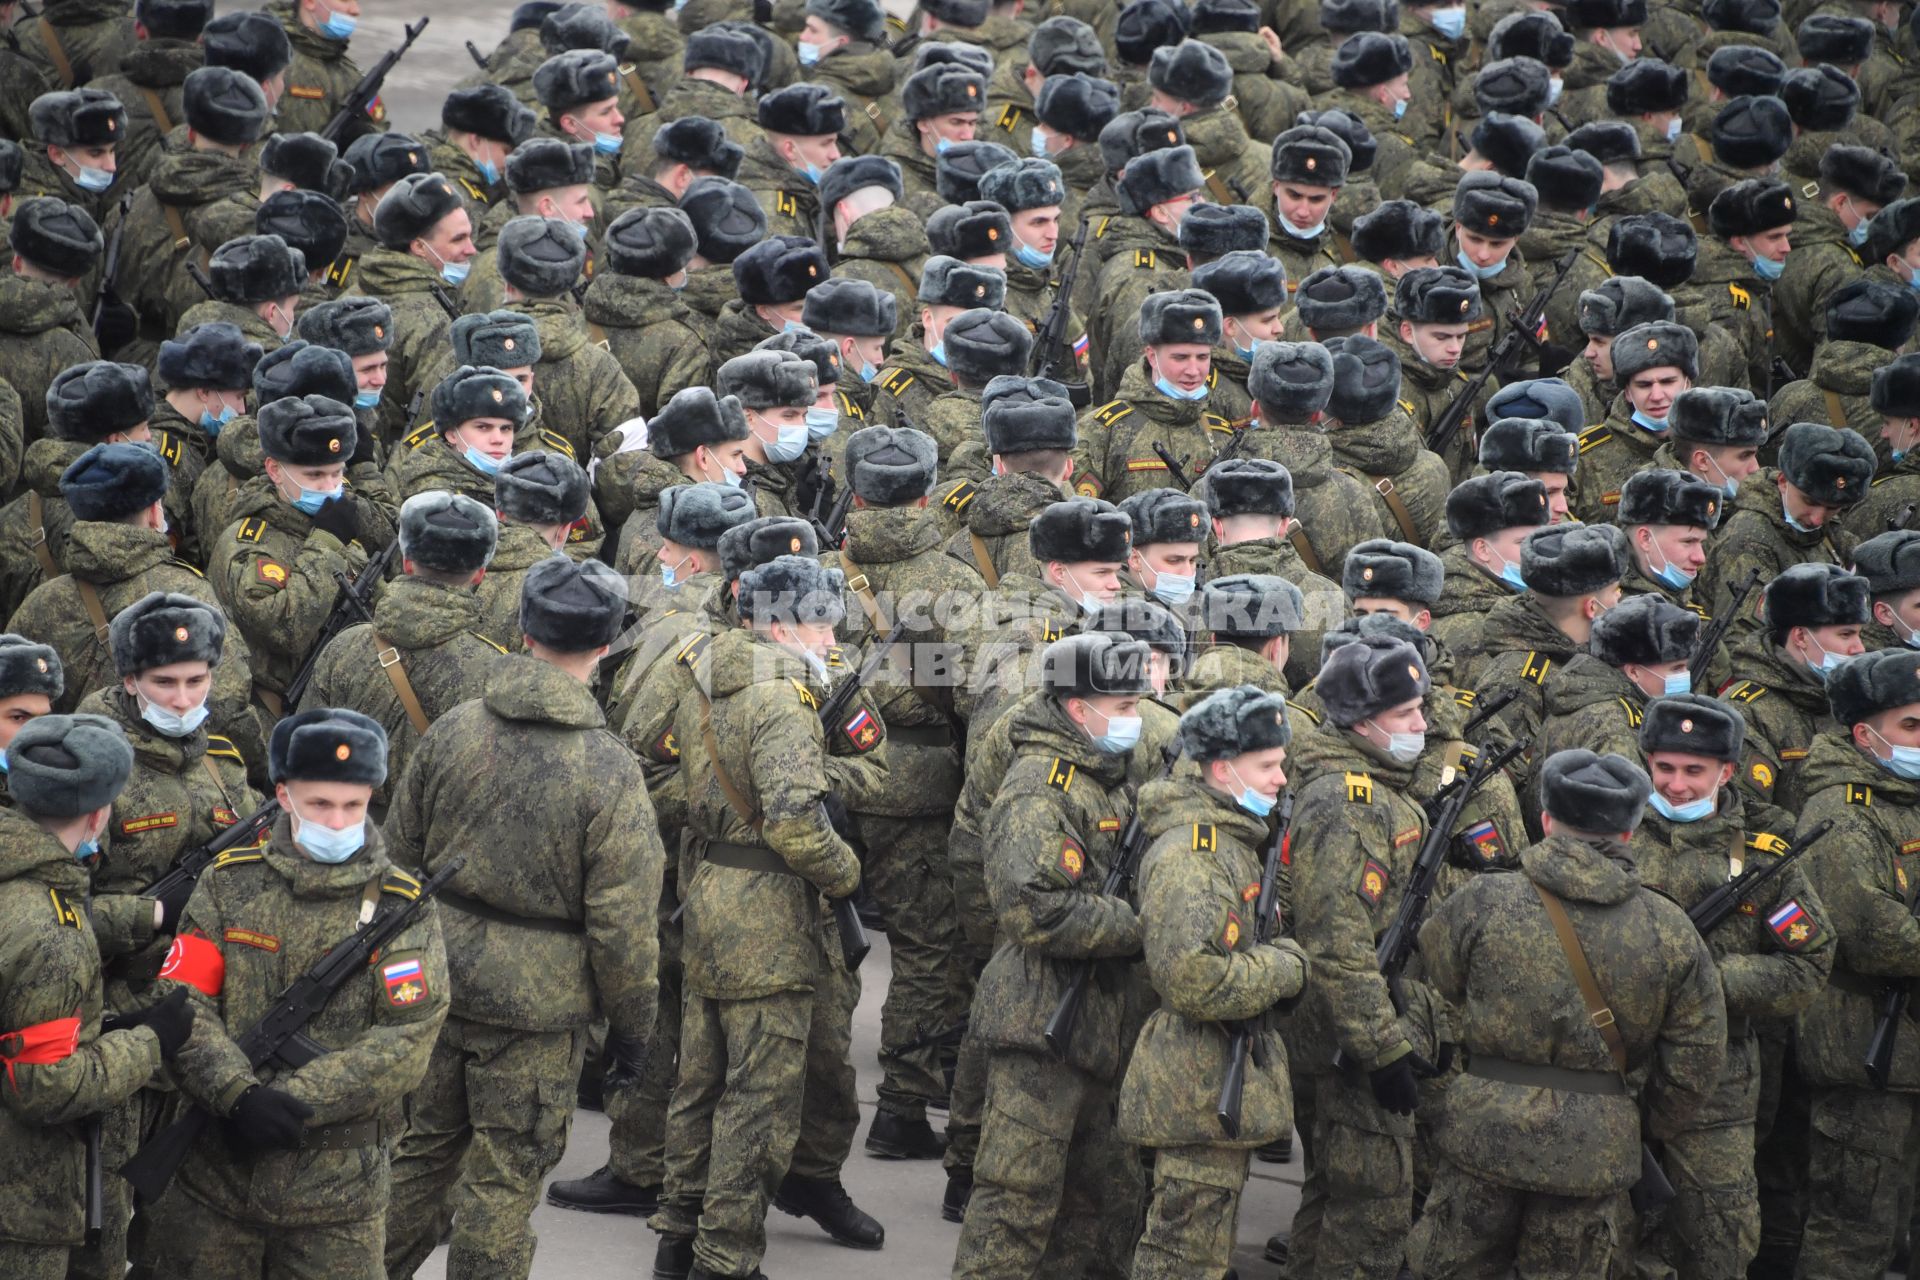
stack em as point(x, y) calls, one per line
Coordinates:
point(1383, 485)
point(1298, 538)
point(157, 107)
point(1218, 189)
point(1596, 1003)
point(206, 762)
point(720, 775)
point(908, 282)
point(1836, 411)
point(641, 97)
point(61, 62)
point(37, 518)
point(861, 588)
point(95, 612)
point(983, 561)
point(597, 335)
point(177, 225)
point(396, 669)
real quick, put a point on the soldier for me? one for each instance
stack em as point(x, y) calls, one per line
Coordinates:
point(1375, 440)
point(1888, 563)
point(77, 132)
point(1868, 322)
point(1028, 427)
point(1060, 45)
point(361, 327)
point(321, 74)
point(1894, 394)
point(257, 282)
point(252, 42)
point(1832, 230)
point(480, 126)
point(555, 932)
point(856, 317)
point(721, 67)
point(1787, 516)
point(476, 413)
point(64, 773)
point(1716, 433)
point(800, 127)
point(1862, 783)
point(1752, 223)
point(1251, 290)
point(1538, 448)
point(1599, 700)
point(915, 371)
point(1371, 83)
point(42, 331)
point(379, 160)
point(1070, 113)
point(875, 240)
point(940, 105)
point(1509, 1196)
point(1653, 363)
point(684, 150)
point(1191, 81)
point(1033, 193)
point(1397, 236)
point(771, 281)
point(1291, 385)
point(775, 390)
point(1606, 311)
point(1169, 532)
point(1340, 302)
point(843, 46)
point(632, 307)
point(311, 223)
point(540, 497)
point(1488, 520)
point(30, 679)
point(698, 436)
point(547, 178)
point(208, 372)
point(1668, 517)
point(1162, 401)
point(1569, 184)
point(286, 162)
point(1433, 313)
point(980, 345)
point(1155, 194)
point(1490, 214)
point(1249, 620)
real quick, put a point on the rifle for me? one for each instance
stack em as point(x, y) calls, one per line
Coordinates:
point(200, 278)
point(1519, 332)
point(187, 867)
point(446, 302)
point(1724, 899)
point(1395, 947)
point(1177, 469)
point(280, 1036)
point(1050, 351)
point(111, 269)
point(1717, 629)
point(360, 101)
point(1894, 999)
point(351, 599)
point(479, 59)
point(1902, 521)
point(832, 530)
point(1245, 1043)
point(1487, 709)
point(1126, 860)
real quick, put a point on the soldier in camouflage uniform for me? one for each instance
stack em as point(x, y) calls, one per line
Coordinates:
point(1653, 364)
point(1716, 434)
point(1374, 440)
point(1829, 236)
point(915, 369)
point(207, 373)
point(1143, 255)
point(546, 178)
point(1508, 1192)
point(721, 67)
point(799, 138)
point(379, 161)
point(540, 498)
point(1488, 520)
point(1490, 213)
point(1606, 311)
point(1192, 81)
point(684, 151)
point(1060, 45)
point(771, 282)
point(1162, 402)
point(1888, 562)
point(939, 104)
point(1029, 435)
point(855, 318)
point(848, 42)
point(1243, 631)
point(479, 127)
point(30, 679)
point(1858, 1184)
point(632, 307)
point(321, 74)
point(1251, 289)
point(1894, 395)
point(71, 155)
point(1291, 384)
point(981, 346)
point(1541, 449)
point(697, 436)
point(257, 282)
point(65, 1063)
point(1868, 322)
point(875, 239)
point(1169, 531)
point(775, 390)
point(1752, 223)
point(1433, 312)
point(296, 1179)
point(42, 331)
point(551, 921)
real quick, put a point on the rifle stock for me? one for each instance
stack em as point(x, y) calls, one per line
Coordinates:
point(1233, 1088)
point(1520, 332)
point(189, 866)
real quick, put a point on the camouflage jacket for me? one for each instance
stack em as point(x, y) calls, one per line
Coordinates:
point(953, 419)
point(1723, 355)
point(187, 447)
point(421, 329)
point(910, 378)
point(1586, 704)
point(739, 330)
point(183, 186)
point(1426, 391)
point(651, 332)
point(43, 333)
point(790, 201)
point(862, 75)
point(1610, 451)
point(1013, 622)
point(1334, 510)
point(257, 919)
point(1030, 295)
point(236, 459)
point(21, 81)
point(550, 923)
point(1408, 484)
point(901, 144)
point(1893, 490)
point(628, 486)
point(1635, 582)
point(1595, 396)
point(1153, 263)
point(734, 112)
point(1323, 606)
point(36, 522)
point(1754, 535)
point(1834, 390)
point(13, 444)
point(433, 463)
point(1266, 96)
point(1822, 260)
point(888, 249)
point(1520, 647)
point(318, 82)
point(645, 695)
point(1115, 458)
point(1224, 665)
point(519, 549)
point(152, 72)
point(1786, 710)
point(1740, 302)
point(993, 517)
point(1471, 595)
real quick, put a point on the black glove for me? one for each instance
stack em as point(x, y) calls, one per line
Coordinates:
point(170, 1019)
point(172, 903)
point(118, 325)
point(626, 1059)
point(339, 517)
point(267, 1120)
point(1396, 1086)
point(363, 450)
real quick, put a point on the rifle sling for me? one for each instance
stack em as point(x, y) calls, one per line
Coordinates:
point(1218, 190)
point(61, 63)
point(272, 699)
point(641, 96)
point(157, 107)
point(863, 591)
point(911, 285)
point(1298, 538)
point(90, 598)
point(1590, 994)
point(37, 523)
point(1383, 485)
point(720, 774)
point(177, 225)
point(982, 561)
point(1836, 410)
point(388, 656)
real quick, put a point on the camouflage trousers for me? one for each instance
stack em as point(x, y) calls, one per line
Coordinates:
point(1055, 1190)
point(636, 1146)
point(906, 872)
point(969, 1093)
point(1357, 1200)
point(1780, 1150)
point(198, 1240)
point(1711, 1231)
point(484, 1129)
point(1193, 1214)
point(1862, 1151)
point(33, 1261)
point(1478, 1230)
point(122, 1130)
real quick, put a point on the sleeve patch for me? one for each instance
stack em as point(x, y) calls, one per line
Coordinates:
point(151, 822)
point(271, 572)
point(252, 938)
point(404, 980)
point(196, 961)
point(1073, 858)
point(664, 747)
point(1486, 842)
point(1087, 487)
point(1107, 825)
point(1793, 926)
point(224, 817)
point(1401, 839)
point(1374, 879)
point(1911, 846)
point(863, 731)
point(311, 93)
point(1230, 935)
point(1145, 464)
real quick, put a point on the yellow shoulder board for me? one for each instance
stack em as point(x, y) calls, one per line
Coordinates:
point(419, 435)
point(1009, 117)
point(252, 529)
point(1741, 298)
point(849, 408)
point(1595, 436)
point(400, 884)
point(1537, 667)
point(65, 911)
point(1767, 842)
point(1438, 56)
point(1859, 793)
point(959, 496)
point(558, 443)
point(337, 273)
point(784, 204)
point(490, 643)
point(1204, 840)
point(1144, 259)
point(1214, 422)
point(1634, 714)
point(1407, 406)
point(806, 694)
point(169, 446)
point(1102, 229)
point(1213, 380)
point(236, 857)
point(222, 747)
point(690, 651)
point(897, 24)
point(1746, 691)
point(192, 569)
point(1465, 697)
point(1060, 774)
point(1359, 788)
point(1111, 412)
point(1599, 262)
point(836, 658)
point(895, 382)
point(1311, 715)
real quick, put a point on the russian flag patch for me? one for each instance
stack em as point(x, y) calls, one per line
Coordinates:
point(405, 981)
point(1793, 926)
point(1080, 348)
point(1486, 841)
point(863, 731)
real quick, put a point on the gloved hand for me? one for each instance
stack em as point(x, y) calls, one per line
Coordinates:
point(267, 1120)
point(172, 903)
point(339, 517)
point(118, 325)
point(626, 1059)
point(1396, 1086)
point(363, 450)
point(170, 1019)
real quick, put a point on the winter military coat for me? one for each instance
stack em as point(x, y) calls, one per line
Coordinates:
point(148, 85)
point(1225, 665)
point(1834, 390)
point(1471, 594)
point(43, 333)
point(991, 522)
point(651, 332)
point(1334, 511)
point(434, 463)
point(1822, 260)
point(1589, 704)
point(888, 249)
point(862, 75)
point(184, 186)
point(1425, 392)
point(1754, 535)
point(790, 201)
point(733, 112)
point(519, 549)
point(1115, 459)
point(1324, 604)
point(1520, 648)
point(1892, 492)
point(1013, 622)
point(318, 82)
point(421, 328)
point(1610, 451)
point(1785, 707)
point(33, 527)
point(1152, 262)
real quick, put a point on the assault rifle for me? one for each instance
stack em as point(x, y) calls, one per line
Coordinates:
point(1051, 352)
point(1178, 469)
point(111, 269)
point(1716, 630)
point(353, 600)
point(1246, 1042)
point(1723, 900)
point(1893, 1007)
point(831, 529)
point(200, 278)
point(1485, 709)
point(186, 868)
point(479, 59)
point(360, 101)
point(1520, 332)
point(280, 1036)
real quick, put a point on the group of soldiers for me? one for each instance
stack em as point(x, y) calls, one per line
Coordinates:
point(1335, 568)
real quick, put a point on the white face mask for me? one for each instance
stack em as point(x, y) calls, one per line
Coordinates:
point(169, 723)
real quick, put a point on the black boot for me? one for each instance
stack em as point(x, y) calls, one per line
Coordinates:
point(832, 1210)
point(601, 1192)
point(673, 1259)
point(1279, 1151)
point(953, 1205)
point(1277, 1250)
point(893, 1137)
point(701, 1273)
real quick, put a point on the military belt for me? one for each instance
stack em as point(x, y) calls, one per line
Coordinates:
point(1538, 1077)
point(342, 1137)
point(486, 911)
point(921, 735)
point(746, 857)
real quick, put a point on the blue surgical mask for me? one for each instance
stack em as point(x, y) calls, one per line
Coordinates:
point(1028, 256)
point(868, 370)
point(1858, 236)
point(214, 421)
point(942, 145)
point(1905, 761)
point(485, 463)
point(89, 179)
point(731, 479)
point(607, 144)
point(1766, 268)
point(454, 273)
point(1728, 484)
point(171, 724)
point(1673, 129)
point(1510, 573)
point(1675, 684)
point(1172, 392)
point(1671, 575)
point(1829, 661)
point(1040, 142)
point(670, 574)
point(1450, 22)
point(488, 170)
point(1479, 272)
point(1121, 735)
point(1792, 523)
point(1656, 425)
point(366, 399)
point(789, 326)
point(339, 26)
point(939, 353)
point(1313, 232)
point(809, 53)
point(822, 423)
point(1174, 588)
point(788, 444)
point(579, 229)
point(811, 172)
point(87, 850)
point(1908, 636)
point(1249, 799)
point(324, 844)
point(1698, 809)
point(1405, 747)
point(3, 760)
point(1089, 603)
point(311, 500)
point(1913, 280)
point(1400, 108)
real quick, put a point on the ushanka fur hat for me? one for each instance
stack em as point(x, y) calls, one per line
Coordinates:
point(329, 744)
point(539, 488)
point(572, 606)
point(27, 666)
point(1234, 721)
point(1081, 529)
point(1385, 569)
point(699, 515)
point(1600, 795)
point(1869, 684)
point(891, 466)
point(1693, 724)
point(447, 532)
point(67, 766)
point(1644, 630)
point(1370, 675)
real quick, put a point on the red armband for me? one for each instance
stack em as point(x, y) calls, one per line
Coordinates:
point(194, 960)
point(40, 1045)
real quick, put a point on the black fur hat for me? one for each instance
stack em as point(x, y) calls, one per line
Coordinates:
point(581, 26)
point(173, 19)
point(768, 380)
point(1158, 177)
point(952, 53)
point(1366, 379)
point(823, 355)
point(574, 78)
point(1437, 295)
point(1658, 345)
point(1179, 316)
point(27, 666)
point(1081, 529)
point(1820, 98)
point(1737, 69)
point(541, 257)
point(1844, 41)
point(959, 13)
point(1148, 25)
point(1608, 141)
point(1026, 415)
point(1096, 662)
point(803, 110)
point(1585, 792)
point(382, 159)
point(1216, 230)
point(1219, 17)
point(1231, 722)
point(1549, 398)
point(1360, 15)
point(67, 766)
point(1895, 390)
point(1389, 570)
point(541, 164)
point(983, 344)
point(1891, 231)
point(1646, 85)
point(1873, 312)
point(1862, 172)
point(650, 243)
point(489, 111)
point(250, 269)
point(1817, 595)
point(1192, 72)
point(697, 515)
point(112, 481)
point(1568, 181)
point(469, 393)
point(1532, 445)
point(1482, 505)
point(861, 19)
point(1718, 416)
point(55, 236)
point(413, 207)
point(1751, 133)
point(572, 606)
point(1368, 675)
point(857, 308)
point(1132, 134)
point(700, 144)
point(1368, 58)
point(856, 173)
point(1519, 86)
point(1618, 303)
point(529, 14)
point(1691, 724)
point(447, 532)
point(762, 540)
point(1065, 46)
point(957, 172)
point(1247, 486)
point(1872, 683)
point(302, 368)
point(1311, 155)
point(779, 270)
point(727, 218)
point(1399, 229)
point(215, 354)
point(1335, 299)
point(1890, 562)
point(1020, 185)
point(1165, 515)
point(976, 229)
point(496, 339)
point(695, 416)
point(91, 401)
point(1589, 15)
point(1077, 105)
point(1507, 142)
point(307, 160)
point(219, 103)
point(892, 466)
point(948, 282)
point(1290, 380)
point(1350, 129)
point(247, 40)
point(1657, 247)
point(1659, 496)
point(311, 222)
point(1566, 560)
point(539, 488)
point(307, 431)
point(1244, 282)
point(1531, 34)
point(1832, 466)
point(1753, 17)
point(13, 163)
point(1493, 205)
point(1250, 606)
point(84, 117)
point(941, 90)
